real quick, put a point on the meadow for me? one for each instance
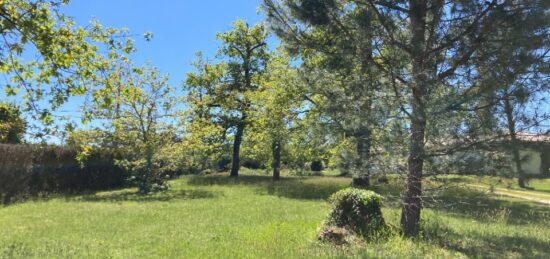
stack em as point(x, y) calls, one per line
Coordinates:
point(253, 217)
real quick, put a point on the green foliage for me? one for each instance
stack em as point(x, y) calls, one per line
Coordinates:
point(12, 124)
point(433, 65)
point(68, 58)
point(220, 95)
point(344, 157)
point(33, 170)
point(356, 210)
point(137, 105)
point(280, 116)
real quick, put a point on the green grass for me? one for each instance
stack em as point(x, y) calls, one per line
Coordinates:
point(537, 187)
point(252, 217)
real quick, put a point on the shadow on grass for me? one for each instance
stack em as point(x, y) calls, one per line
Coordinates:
point(471, 203)
point(301, 190)
point(288, 187)
point(460, 201)
point(121, 196)
point(477, 245)
point(504, 183)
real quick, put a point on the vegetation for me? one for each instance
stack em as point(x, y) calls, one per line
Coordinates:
point(428, 53)
point(226, 97)
point(196, 218)
point(423, 107)
point(355, 210)
point(137, 108)
point(68, 59)
point(34, 170)
point(12, 125)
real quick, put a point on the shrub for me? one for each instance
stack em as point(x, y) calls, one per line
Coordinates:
point(357, 211)
point(30, 170)
point(148, 178)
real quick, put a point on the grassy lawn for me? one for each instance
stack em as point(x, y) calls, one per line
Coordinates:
point(537, 185)
point(252, 217)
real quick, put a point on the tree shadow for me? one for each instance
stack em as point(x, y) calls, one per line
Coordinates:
point(472, 203)
point(219, 179)
point(127, 195)
point(478, 245)
point(309, 188)
point(504, 183)
point(301, 190)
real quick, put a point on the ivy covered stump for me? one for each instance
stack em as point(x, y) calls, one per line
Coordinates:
point(356, 211)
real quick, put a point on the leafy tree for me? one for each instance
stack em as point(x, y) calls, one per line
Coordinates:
point(12, 124)
point(223, 91)
point(68, 57)
point(281, 99)
point(139, 116)
point(204, 139)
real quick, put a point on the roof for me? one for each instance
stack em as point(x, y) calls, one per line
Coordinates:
point(533, 137)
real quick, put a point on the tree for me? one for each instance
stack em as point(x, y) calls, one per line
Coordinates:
point(281, 99)
point(68, 57)
point(225, 89)
point(441, 42)
point(12, 124)
point(138, 108)
point(335, 45)
point(519, 80)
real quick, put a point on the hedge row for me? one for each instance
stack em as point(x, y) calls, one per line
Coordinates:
point(30, 170)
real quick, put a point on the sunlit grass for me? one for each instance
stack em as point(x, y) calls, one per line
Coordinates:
point(253, 217)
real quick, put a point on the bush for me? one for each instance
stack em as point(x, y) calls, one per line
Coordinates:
point(357, 211)
point(30, 170)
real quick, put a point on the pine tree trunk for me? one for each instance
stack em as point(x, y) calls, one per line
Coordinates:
point(235, 162)
point(412, 200)
point(508, 109)
point(361, 177)
point(276, 150)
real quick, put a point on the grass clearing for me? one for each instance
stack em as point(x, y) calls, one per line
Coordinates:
point(251, 217)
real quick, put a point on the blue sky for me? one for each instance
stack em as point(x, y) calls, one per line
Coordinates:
point(180, 29)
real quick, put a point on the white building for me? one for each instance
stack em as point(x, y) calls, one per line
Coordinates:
point(535, 153)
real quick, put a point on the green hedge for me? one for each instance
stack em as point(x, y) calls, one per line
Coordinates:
point(30, 170)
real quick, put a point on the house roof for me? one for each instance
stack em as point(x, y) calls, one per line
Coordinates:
point(533, 137)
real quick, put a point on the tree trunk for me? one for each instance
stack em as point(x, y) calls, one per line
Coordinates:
point(509, 110)
point(235, 162)
point(361, 177)
point(412, 200)
point(276, 150)
point(145, 174)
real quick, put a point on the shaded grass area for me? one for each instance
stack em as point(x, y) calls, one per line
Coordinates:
point(253, 217)
point(289, 187)
point(131, 195)
point(541, 186)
